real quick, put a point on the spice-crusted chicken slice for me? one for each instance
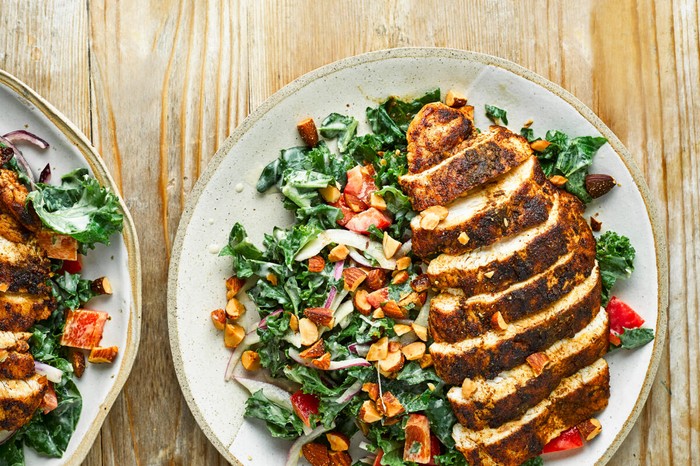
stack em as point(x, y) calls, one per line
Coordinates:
point(24, 267)
point(438, 132)
point(497, 350)
point(496, 401)
point(19, 399)
point(14, 341)
point(455, 316)
point(574, 400)
point(513, 202)
point(19, 311)
point(496, 267)
point(12, 230)
point(490, 155)
point(13, 199)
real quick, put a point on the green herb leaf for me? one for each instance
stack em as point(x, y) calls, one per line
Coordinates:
point(496, 114)
point(339, 126)
point(615, 256)
point(536, 461)
point(633, 338)
point(281, 422)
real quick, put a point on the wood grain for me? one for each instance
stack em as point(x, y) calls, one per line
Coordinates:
point(159, 84)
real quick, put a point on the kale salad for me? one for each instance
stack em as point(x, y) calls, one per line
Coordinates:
point(340, 352)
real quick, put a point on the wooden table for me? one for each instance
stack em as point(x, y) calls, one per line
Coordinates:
point(158, 85)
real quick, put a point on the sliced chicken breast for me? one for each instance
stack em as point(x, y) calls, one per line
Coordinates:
point(14, 341)
point(13, 200)
point(15, 365)
point(24, 267)
point(18, 311)
point(19, 399)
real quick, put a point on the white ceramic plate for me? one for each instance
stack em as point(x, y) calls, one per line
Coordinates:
point(226, 194)
point(22, 108)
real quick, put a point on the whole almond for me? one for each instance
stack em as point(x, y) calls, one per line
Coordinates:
point(598, 184)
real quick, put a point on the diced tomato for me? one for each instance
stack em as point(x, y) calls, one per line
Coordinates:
point(72, 266)
point(304, 406)
point(567, 440)
point(360, 223)
point(622, 316)
point(50, 401)
point(347, 211)
point(84, 328)
point(614, 339)
point(417, 445)
point(378, 458)
point(379, 297)
point(361, 182)
point(435, 450)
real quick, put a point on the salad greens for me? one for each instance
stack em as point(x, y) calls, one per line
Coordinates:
point(496, 114)
point(615, 256)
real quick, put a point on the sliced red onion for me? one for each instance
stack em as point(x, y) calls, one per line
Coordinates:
point(369, 321)
point(263, 323)
point(337, 236)
point(293, 338)
point(348, 394)
point(25, 136)
point(45, 175)
point(330, 298)
point(51, 373)
point(358, 257)
point(422, 318)
point(294, 354)
point(359, 349)
point(6, 435)
point(376, 252)
point(250, 339)
point(403, 250)
point(338, 269)
point(295, 450)
point(344, 311)
point(272, 392)
point(338, 299)
point(21, 161)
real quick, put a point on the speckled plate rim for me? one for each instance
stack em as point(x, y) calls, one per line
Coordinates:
point(80, 141)
point(426, 52)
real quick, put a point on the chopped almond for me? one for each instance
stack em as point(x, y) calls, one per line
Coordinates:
point(538, 361)
point(340, 458)
point(414, 351)
point(540, 145)
point(498, 322)
point(355, 203)
point(489, 274)
point(468, 388)
point(377, 201)
point(272, 278)
point(77, 360)
point(330, 194)
point(378, 350)
point(376, 279)
point(338, 441)
point(361, 303)
point(413, 299)
point(372, 389)
point(250, 360)
point(429, 221)
point(233, 335)
point(338, 253)
point(233, 286)
point(437, 210)
point(401, 329)
point(101, 286)
point(316, 350)
point(403, 263)
point(218, 318)
point(308, 331)
point(307, 131)
point(455, 99)
point(321, 316)
point(596, 225)
point(400, 277)
point(393, 362)
point(316, 454)
point(234, 309)
point(294, 323)
point(322, 363)
point(368, 412)
point(391, 406)
point(421, 332)
point(316, 264)
point(590, 429)
point(558, 180)
point(392, 309)
point(528, 123)
point(417, 445)
point(353, 277)
point(379, 297)
point(426, 361)
point(421, 283)
point(390, 245)
point(103, 355)
point(394, 346)
point(463, 238)
point(378, 313)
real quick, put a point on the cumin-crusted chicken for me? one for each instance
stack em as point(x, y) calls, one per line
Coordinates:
point(514, 263)
point(25, 298)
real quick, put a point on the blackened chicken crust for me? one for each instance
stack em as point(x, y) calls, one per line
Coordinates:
point(13, 200)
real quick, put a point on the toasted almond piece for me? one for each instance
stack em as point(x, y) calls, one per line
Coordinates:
point(234, 309)
point(368, 412)
point(316, 264)
point(316, 454)
point(378, 350)
point(377, 201)
point(101, 286)
point(598, 184)
point(468, 388)
point(489, 274)
point(498, 322)
point(372, 389)
point(330, 194)
point(402, 329)
point(338, 441)
point(414, 351)
point(390, 245)
point(439, 211)
point(400, 277)
point(505, 222)
point(233, 286)
point(250, 360)
point(379, 297)
point(596, 225)
point(316, 350)
point(321, 316)
point(540, 145)
point(394, 346)
point(391, 406)
point(308, 331)
point(376, 279)
point(307, 131)
point(218, 318)
point(455, 99)
point(589, 429)
point(338, 253)
point(77, 360)
point(378, 313)
point(463, 238)
point(426, 361)
point(431, 386)
point(355, 203)
point(103, 355)
point(361, 303)
point(528, 123)
point(558, 181)
point(393, 310)
point(538, 361)
point(353, 277)
point(403, 263)
point(272, 278)
point(294, 323)
point(421, 283)
point(429, 221)
point(393, 362)
point(413, 298)
point(421, 332)
point(340, 458)
point(233, 335)
point(322, 363)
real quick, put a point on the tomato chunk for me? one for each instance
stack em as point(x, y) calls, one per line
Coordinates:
point(72, 266)
point(361, 222)
point(83, 328)
point(567, 440)
point(435, 450)
point(361, 182)
point(345, 209)
point(622, 316)
point(304, 406)
point(50, 401)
